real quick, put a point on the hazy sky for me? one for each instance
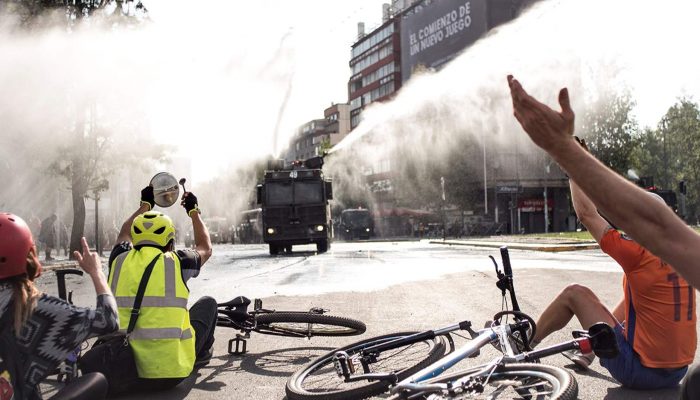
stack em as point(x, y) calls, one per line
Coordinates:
point(217, 81)
point(235, 62)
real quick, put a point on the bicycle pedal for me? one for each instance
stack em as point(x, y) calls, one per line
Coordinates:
point(240, 346)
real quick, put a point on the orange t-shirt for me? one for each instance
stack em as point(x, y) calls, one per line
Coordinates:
point(659, 305)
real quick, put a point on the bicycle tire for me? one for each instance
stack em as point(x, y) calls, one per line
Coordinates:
point(307, 324)
point(562, 384)
point(302, 385)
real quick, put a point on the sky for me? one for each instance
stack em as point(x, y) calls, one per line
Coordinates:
point(239, 71)
point(219, 82)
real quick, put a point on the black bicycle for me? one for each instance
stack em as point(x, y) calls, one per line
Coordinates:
point(411, 363)
point(303, 324)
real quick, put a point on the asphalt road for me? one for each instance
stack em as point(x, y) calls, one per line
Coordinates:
point(391, 286)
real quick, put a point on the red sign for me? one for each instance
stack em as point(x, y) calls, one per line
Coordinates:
point(534, 205)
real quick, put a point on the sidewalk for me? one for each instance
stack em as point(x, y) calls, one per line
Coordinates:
point(523, 243)
point(64, 263)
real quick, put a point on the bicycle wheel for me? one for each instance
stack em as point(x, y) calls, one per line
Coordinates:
point(510, 381)
point(307, 324)
point(319, 379)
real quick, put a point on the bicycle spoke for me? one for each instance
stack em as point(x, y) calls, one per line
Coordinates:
point(504, 387)
point(304, 328)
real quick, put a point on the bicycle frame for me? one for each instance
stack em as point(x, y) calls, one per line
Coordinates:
point(486, 336)
point(238, 317)
point(501, 333)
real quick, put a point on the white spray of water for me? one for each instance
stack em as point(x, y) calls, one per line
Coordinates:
point(593, 48)
point(214, 81)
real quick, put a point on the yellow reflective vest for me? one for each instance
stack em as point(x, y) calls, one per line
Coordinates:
point(163, 340)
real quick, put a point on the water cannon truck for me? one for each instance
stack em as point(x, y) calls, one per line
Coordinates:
point(294, 200)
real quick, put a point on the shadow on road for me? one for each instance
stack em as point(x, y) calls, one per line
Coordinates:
point(265, 256)
point(281, 363)
point(212, 378)
point(620, 393)
point(594, 374)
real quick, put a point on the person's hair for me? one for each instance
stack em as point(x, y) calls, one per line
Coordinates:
point(24, 293)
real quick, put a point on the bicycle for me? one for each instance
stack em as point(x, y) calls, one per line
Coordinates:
point(303, 324)
point(410, 363)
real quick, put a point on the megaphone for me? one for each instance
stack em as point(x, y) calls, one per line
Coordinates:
point(166, 190)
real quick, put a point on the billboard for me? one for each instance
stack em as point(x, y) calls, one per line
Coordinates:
point(435, 31)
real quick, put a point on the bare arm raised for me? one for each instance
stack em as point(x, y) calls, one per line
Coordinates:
point(585, 209)
point(202, 242)
point(650, 223)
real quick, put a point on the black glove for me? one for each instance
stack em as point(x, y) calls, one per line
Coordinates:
point(147, 197)
point(189, 201)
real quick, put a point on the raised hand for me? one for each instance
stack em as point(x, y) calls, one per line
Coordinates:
point(89, 261)
point(546, 127)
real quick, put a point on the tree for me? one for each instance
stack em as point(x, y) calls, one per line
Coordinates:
point(679, 131)
point(646, 159)
point(38, 14)
point(85, 156)
point(610, 129)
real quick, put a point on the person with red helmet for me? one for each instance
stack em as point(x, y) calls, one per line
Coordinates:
point(39, 331)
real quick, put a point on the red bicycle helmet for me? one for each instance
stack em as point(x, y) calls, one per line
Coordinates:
point(15, 243)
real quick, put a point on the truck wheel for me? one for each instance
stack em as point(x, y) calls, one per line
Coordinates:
point(274, 250)
point(322, 246)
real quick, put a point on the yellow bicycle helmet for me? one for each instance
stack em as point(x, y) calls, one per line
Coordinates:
point(152, 228)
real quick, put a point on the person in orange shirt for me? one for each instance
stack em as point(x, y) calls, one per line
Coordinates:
point(658, 307)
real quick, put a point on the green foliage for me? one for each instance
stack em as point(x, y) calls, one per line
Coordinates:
point(680, 131)
point(670, 153)
point(647, 157)
point(325, 146)
point(611, 130)
point(39, 14)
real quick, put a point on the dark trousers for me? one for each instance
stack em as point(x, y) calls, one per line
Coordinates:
point(690, 389)
point(203, 320)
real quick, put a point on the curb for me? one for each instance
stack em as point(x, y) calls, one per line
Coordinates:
point(59, 265)
point(552, 248)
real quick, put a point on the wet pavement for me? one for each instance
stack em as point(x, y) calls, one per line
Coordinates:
point(391, 286)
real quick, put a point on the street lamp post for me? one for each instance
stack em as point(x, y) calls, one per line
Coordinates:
point(101, 186)
point(546, 206)
point(444, 215)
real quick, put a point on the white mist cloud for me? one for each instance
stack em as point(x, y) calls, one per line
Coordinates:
point(591, 47)
point(208, 79)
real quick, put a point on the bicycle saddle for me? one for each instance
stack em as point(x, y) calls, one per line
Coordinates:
point(236, 303)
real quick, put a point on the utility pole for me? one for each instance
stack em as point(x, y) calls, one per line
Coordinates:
point(101, 186)
point(486, 198)
point(546, 206)
point(444, 215)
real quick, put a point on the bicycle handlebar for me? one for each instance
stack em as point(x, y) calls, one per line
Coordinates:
point(61, 282)
point(506, 261)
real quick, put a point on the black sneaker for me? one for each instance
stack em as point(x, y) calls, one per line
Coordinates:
point(582, 361)
point(204, 358)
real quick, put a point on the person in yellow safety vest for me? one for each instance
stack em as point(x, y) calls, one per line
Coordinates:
point(169, 340)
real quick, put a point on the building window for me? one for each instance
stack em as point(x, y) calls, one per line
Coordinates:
point(373, 58)
point(355, 120)
point(355, 103)
point(370, 41)
point(378, 74)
